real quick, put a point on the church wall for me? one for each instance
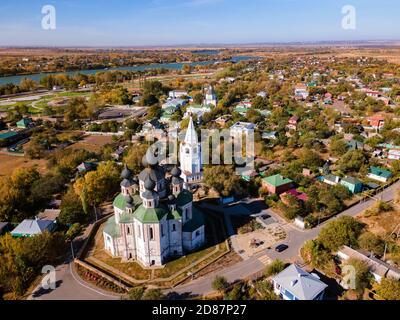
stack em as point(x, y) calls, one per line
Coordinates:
point(175, 237)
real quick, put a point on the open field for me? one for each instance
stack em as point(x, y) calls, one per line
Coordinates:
point(9, 163)
point(92, 143)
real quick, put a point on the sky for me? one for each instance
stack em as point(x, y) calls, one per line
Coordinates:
point(183, 22)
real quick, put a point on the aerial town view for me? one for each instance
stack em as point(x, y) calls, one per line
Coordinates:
point(204, 150)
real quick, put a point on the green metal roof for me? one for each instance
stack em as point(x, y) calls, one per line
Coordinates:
point(380, 172)
point(175, 215)
point(151, 215)
point(7, 135)
point(184, 198)
point(120, 201)
point(277, 180)
point(351, 180)
point(126, 218)
point(196, 222)
point(112, 228)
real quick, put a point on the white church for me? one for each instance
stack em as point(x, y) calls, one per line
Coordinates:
point(154, 217)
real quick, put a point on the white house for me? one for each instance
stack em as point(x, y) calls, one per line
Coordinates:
point(242, 128)
point(294, 283)
point(394, 154)
point(177, 94)
point(301, 90)
point(377, 268)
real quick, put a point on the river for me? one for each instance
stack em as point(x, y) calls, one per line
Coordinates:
point(176, 65)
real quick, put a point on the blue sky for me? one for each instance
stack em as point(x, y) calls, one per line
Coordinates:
point(174, 22)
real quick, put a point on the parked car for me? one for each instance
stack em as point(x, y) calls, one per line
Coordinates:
point(281, 247)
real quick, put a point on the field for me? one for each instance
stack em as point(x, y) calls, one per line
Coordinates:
point(92, 143)
point(9, 163)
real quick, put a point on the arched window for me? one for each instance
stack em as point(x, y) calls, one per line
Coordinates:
point(128, 230)
point(174, 227)
point(162, 231)
point(187, 151)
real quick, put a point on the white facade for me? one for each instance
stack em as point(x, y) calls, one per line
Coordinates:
point(241, 128)
point(158, 224)
point(190, 156)
point(176, 94)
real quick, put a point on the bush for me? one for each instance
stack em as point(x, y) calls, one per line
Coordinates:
point(389, 289)
point(370, 242)
point(73, 231)
point(343, 231)
point(136, 293)
point(220, 284)
point(274, 268)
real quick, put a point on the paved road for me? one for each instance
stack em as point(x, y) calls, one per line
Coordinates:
point(71, 287)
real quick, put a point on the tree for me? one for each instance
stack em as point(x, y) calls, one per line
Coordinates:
point(274, 268)
point(153, 294)
point(16, 198)
point(265, 290)
point(352, 161)
point(223, 179)
point(362, 275)
point(71, 209)
point(372, 243)
point(136, 293)
point(220, 284)
point(100, 185)
point(343, 231)
point(338, 147)
point(135, 156)
point(314, 253)
point(389, 289)
point(198, 98)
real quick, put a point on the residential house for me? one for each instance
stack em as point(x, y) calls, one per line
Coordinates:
point(301, 91)
point(4, 227)
point(271, 135)
point(355, 145)
point(117, 154)
point(222, 121)
point(198, 110)
point(376, 122)
point(49, 214)
point(262, 94)
point(277, 184)
point(379, 174)
point(294, 283)
point(86, 166)
point(295, 193)
point(177, 94)
point(25, 123)
point(331, 179)
point(353, 184)
point(242, 128)
point(174, 103)
point(9, 137)
point(377, 268)
point(394, 154)
point(32, 227)
point(293, 122)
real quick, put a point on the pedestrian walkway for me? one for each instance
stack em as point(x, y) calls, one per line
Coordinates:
point(265, 260)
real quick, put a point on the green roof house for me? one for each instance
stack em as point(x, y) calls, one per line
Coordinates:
point(379, 174)
point(277, 184)
point(25, 123)
point(353, 184)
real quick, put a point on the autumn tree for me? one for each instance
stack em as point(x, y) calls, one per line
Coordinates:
point(223, 179)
